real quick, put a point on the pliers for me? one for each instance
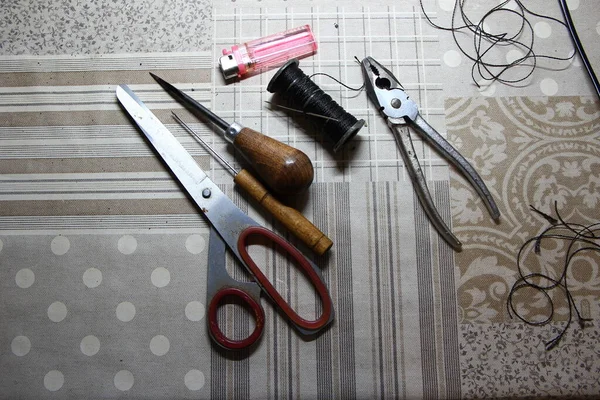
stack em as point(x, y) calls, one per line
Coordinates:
point(399, 110)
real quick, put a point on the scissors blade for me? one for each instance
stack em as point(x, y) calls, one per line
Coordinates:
point(224, 215)
point(182, 164)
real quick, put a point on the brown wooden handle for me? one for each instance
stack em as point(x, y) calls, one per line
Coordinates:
point(286, 170)
point(291, 218)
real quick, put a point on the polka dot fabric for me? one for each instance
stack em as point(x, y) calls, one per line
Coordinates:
point(129, 308)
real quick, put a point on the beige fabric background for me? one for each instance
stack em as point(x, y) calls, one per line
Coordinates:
point(533, 151)
point(102, 257)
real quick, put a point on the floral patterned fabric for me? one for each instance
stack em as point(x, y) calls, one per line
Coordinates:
point(104, 26)
point(510, 360)
point(530, 151)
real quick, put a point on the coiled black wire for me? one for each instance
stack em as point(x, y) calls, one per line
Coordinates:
point(580, 238)
point(301, 93)
point(485, 65)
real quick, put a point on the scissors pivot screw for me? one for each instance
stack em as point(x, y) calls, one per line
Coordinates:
point(396, 103)
point(206, 193)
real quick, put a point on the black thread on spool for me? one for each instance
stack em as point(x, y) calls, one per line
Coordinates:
point(302, 93)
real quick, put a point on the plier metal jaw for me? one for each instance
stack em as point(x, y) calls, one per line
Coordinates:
point(387, 92)
point(399, 110)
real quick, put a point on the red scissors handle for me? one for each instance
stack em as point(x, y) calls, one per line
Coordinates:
point(304, 325)
point(213, 322)
point(222, 286)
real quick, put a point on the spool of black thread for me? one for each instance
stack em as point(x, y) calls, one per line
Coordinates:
point(303, 94)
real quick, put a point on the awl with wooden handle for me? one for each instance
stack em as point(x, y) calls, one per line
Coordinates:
point(291, 218)
point(286, 170)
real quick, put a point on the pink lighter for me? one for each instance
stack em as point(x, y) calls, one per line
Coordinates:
point(268, 52)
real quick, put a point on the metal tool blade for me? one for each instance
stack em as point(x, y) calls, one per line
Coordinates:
point(172, 152)
point(225, 216)
point(195, 106)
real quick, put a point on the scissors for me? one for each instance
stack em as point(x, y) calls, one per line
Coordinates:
point(399, 110)
point(230, 227)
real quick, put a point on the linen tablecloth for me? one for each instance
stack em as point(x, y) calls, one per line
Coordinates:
point(103, 258)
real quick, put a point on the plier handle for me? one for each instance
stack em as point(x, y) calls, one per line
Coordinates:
point(399, 110)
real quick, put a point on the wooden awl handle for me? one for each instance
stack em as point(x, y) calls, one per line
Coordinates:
point(291, 218)
point(286, 170)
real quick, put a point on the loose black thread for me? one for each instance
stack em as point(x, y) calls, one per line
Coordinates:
point(338, 81)
point(580, 238)
point(301, 93)
point(484, 66)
